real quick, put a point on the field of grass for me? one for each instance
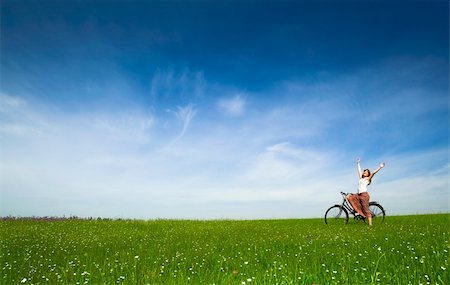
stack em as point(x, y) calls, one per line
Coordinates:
point(402, 250)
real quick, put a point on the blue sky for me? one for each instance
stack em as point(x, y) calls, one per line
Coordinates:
point(221, 109)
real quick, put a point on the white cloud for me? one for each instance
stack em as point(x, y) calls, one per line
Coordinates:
point(7, 101)
point(280, 160)
point(185, 116)
point(288, 150)
point(89, 161)
point(132, 126)
point(186, 85)
point(19, 118)
point(424, 193)
point(234, 106)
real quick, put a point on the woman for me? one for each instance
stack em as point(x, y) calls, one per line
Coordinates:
point(360, 201)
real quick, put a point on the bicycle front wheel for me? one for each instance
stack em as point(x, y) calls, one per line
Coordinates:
point(377, 212)
point(336, 215)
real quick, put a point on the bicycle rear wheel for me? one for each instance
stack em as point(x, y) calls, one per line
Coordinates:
point(377, 212)
point(336, 215)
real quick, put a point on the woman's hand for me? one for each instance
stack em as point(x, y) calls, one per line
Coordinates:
point(382, 165)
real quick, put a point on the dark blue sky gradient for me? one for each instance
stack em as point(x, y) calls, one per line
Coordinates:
point(250, 45)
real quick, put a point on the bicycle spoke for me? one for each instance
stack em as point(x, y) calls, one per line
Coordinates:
point(336, 215)
point(377, 212)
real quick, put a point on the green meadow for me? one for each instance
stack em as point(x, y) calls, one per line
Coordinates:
point(402, 250)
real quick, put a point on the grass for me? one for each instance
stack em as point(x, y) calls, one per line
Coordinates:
point(402, 250)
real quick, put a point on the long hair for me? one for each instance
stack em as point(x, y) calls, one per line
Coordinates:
point(368, 170)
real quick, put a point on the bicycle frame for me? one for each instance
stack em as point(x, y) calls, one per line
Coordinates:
point(346, 207)
point(346, 204)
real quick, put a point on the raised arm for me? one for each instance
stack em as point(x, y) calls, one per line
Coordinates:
point(376, 170)
point(359, 168)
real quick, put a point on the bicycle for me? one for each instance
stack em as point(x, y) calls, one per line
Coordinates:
point(338, 214)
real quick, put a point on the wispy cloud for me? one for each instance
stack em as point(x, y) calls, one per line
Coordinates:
point(19, 118)
point(292, 156)
point(171, 85)
point(234, 106)
point(288, 150)
point(184, 115)
point(152, 117)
